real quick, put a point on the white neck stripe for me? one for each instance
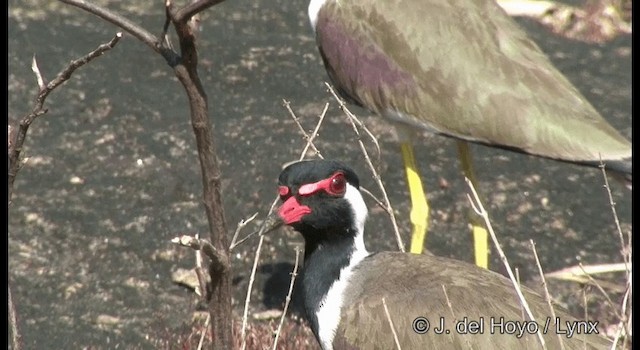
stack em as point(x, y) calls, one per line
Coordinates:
point(328, 313)
point(314, 9)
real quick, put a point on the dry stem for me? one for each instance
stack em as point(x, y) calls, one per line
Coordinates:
point(353, 120)
point(547, 296)
point(479, 209)
point(287, 300)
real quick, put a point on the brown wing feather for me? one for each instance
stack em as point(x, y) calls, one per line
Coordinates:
point(463, 69)
point(473, 292)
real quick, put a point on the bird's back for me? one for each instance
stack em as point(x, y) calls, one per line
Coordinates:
point(461, 295)
point(465, 69)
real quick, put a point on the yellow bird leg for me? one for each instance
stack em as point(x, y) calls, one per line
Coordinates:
point(419, 215)
point(480, 234)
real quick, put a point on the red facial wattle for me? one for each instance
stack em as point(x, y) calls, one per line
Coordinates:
point(283, 191)
point(292, 211)
point(335, 186)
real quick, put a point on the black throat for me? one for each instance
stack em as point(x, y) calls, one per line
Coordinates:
point(324, 259)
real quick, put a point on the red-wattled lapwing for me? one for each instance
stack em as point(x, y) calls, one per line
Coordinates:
point(432, 301)
point(463, 69)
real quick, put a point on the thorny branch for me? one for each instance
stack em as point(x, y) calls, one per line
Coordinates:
point(17, 137)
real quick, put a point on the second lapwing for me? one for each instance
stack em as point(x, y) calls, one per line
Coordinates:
point(462, 69)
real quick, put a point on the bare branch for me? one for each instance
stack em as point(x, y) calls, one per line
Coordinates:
point(75, 64)
point(140, 33)
point(185, 67)
point(185, 13)
point(352, 116)
point(38, 109)
point(217, 258)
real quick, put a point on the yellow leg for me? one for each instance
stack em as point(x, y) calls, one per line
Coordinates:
point(419, 207)
point(480, 234)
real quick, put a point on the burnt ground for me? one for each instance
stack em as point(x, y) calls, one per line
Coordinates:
point(112, 173)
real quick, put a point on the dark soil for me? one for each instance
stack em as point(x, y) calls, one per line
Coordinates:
point(113, 174)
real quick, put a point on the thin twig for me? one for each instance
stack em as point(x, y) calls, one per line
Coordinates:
point(247, 299)
point(287, 300)
point(586, 312)
point(240, 226)
point(624, 326)
point(16, 338)
point(477, 206)
point(453, 315)
point(38, 109)
point(360, 124)
point(602, 291)
point(353, 120)
point(309, 138)
point(252, 278)
point(517, 273)
point(612, 204)
point(204, 331)
point(244, 239)
point(547, 296)
point(446, 297)
point(393, 329)
point(314, 134)
point(375, 199)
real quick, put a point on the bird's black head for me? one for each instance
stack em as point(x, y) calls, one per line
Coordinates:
point(321, 200)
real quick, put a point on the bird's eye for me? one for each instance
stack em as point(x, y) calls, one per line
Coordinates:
point(338, 185)
point(283, 191)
